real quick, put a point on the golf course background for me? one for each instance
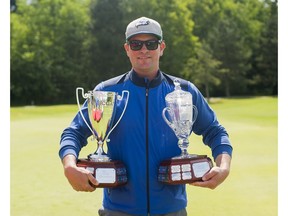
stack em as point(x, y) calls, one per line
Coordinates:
point(39, 187)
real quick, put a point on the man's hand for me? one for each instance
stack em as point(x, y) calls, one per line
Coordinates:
point(79, 178)
point(217, 174)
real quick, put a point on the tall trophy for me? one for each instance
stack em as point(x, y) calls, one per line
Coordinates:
point(101, 112)
point(181, 114)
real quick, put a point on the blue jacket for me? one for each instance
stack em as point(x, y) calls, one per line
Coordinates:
point(142, 140)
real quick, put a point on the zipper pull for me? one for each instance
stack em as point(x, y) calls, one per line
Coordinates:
point(147, 85)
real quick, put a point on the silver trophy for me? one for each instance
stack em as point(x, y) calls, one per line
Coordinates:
point(101, 112)
point(181, 114)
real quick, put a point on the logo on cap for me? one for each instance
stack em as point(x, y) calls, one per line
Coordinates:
point(142, 23)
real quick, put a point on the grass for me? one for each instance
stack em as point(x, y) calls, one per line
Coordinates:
point(39, 187)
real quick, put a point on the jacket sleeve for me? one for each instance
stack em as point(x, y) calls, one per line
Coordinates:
point(213, 133)
point(74, 137)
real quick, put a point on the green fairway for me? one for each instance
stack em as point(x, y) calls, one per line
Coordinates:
point(39, 187)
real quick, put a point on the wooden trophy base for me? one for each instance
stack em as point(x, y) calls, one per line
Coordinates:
point(184, 170)
point(108, 174)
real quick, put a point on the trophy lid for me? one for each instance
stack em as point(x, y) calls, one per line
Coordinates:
point(178, 93)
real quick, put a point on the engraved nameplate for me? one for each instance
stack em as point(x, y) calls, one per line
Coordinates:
point(200, 168)
point(105, 175)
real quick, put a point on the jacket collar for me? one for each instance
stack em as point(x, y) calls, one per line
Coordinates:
point(144, 82)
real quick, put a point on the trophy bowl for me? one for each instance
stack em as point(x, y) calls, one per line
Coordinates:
point(185, 168)
point(101, 108)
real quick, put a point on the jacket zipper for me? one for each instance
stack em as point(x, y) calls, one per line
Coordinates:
point(147, 150)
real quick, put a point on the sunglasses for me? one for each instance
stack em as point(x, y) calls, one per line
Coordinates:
point(136, 45)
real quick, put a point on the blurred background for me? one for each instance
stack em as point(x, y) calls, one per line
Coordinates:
point(227, 48)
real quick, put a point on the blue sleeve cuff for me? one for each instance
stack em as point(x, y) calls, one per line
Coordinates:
point(68, 149)
point(222, 149)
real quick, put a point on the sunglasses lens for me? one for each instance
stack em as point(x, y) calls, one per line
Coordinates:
point(150, 45)
point(135, 45)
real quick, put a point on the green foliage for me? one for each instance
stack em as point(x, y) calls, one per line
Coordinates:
point(264, 75)
point(47, 47)
point(107, 28)
point(233, 35)
point(203, 69)
point(226, 47)
point(174, 16)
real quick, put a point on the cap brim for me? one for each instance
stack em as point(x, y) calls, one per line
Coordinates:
point(144, 32)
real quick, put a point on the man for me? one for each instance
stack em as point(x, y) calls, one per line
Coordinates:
point(142, 139)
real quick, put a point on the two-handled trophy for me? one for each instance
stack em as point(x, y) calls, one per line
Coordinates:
point(185, 168)
point(101, 107)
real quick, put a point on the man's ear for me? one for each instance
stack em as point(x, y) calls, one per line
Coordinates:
point(162, 47)
point(126, 47)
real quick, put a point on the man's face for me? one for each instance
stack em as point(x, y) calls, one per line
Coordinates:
point(145, 62)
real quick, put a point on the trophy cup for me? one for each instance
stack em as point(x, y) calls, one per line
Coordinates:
point(185, 168)
point(101, 112)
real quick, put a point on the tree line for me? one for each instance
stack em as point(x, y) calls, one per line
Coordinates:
point(226, 48)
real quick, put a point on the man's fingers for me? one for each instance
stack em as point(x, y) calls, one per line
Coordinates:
point(210, 174)
point(92, 181)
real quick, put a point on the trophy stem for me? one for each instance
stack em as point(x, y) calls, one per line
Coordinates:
point(183, 144)
point(184, 152)
point(100, 150)
point(99, 155)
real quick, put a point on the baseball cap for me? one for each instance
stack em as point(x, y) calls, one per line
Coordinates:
point(143, 25)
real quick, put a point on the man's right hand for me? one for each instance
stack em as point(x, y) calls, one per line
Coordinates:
point(79, 178)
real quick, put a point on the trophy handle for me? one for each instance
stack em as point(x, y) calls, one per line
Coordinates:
point(119, 98)
point(195, 114)
point(166, 120)
point(85, 96)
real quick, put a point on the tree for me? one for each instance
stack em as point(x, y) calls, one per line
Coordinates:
point(263, 76)
point(228, 46)
point(232, 29)
point(203, 69)
point(47, 58)
point(106, 52)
